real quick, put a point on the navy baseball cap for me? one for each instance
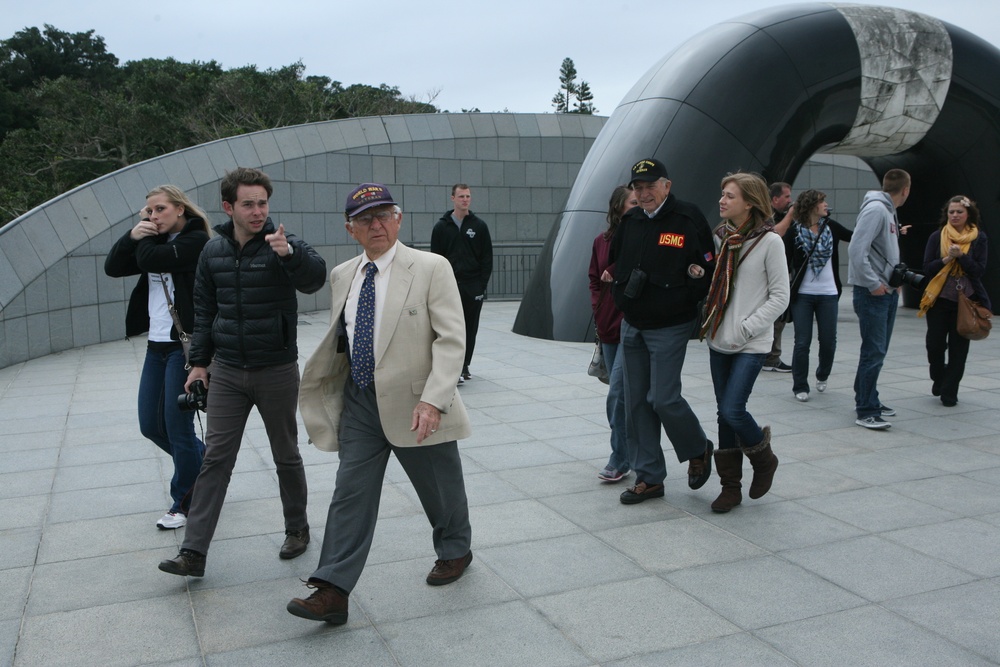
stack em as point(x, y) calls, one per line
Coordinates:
point(648, 170)
point(366, 196)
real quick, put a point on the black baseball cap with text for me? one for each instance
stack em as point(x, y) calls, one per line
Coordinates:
point(648, 170)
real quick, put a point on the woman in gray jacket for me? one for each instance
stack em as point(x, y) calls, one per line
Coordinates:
point(749, 292)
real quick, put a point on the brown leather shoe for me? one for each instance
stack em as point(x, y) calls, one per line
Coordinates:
point(327, 603)
point(187, 563)
point(640, 492)
point(700, 468)
point(447, 571)
point(295, 543)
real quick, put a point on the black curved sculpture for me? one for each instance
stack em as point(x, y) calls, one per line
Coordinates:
point(765, 92)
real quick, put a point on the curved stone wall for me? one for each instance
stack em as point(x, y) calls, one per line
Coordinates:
point(53, 291)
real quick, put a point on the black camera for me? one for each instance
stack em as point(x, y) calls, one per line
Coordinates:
point(196, 399)
point(901, 275)
point(636, 281)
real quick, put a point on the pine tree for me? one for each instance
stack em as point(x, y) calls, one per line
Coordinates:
point(572, 97)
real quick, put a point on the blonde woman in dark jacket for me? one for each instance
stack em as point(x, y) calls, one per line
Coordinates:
point(163, 249)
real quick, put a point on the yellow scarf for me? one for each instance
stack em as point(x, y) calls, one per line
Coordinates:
point(949, 237)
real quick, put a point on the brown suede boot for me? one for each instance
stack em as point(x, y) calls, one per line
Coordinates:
point(764, 464)
point(729, 465)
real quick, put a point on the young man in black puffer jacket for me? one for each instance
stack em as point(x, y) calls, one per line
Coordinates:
point(245, 321)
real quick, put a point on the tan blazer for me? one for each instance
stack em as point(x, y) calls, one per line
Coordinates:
point(419, 356)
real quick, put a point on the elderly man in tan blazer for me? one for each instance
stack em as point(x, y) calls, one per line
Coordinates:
point(383, 381)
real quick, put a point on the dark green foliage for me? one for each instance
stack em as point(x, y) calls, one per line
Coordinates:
point(69, 113)
point(572, 97)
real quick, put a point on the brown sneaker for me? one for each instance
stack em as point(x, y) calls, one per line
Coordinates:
point(447, 571)
point(640, 492)
point(700, 467)
point(327, 603)
point(295, 543)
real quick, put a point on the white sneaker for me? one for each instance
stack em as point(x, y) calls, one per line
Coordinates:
point(802, 396)
point(821, 386)
point(172, 521)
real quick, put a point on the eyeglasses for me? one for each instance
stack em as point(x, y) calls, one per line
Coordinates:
point(366, 220)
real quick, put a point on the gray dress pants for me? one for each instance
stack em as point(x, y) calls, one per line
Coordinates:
point(434, 470)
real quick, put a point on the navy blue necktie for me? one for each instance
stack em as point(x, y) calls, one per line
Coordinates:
point(362, 350)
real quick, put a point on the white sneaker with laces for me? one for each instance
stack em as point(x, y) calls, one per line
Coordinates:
point(802, 396)
point(172, 521)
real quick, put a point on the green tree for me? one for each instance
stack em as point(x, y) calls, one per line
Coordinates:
point(572, 97)
point(69, 113)
point(31, 56)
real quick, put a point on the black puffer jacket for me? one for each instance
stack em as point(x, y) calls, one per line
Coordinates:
point(469, 250)
point(245, 304)
point(157, 254)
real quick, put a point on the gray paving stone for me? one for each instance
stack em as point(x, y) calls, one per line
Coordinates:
point(955, 493)
point(158, 629)
point(876, 509)
point(9, 631)
point(90, 538)
point(110, 501)
point(22, 512)
point(866, 637)
point(763, 591)
point(513, 630)
point(14, 584)
point(877, 569)
point(559, 564)
point(948, 612)
point(669, 618)
point(363, 646)
point(738, 649)
point(966, 543)
point(516, 521)
point(781, 525)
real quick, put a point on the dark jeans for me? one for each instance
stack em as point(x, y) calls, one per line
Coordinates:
point(876, 317)
point(232, 393)
point(942, 335)
point(824, 309)
point(616, 406)
point(471, 309)
point(733, 376)
point(653, 362)
point(161, 421)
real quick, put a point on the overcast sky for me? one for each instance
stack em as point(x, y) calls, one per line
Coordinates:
point(502, 54)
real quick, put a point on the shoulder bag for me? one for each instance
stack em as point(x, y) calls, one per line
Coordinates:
point(973, 319)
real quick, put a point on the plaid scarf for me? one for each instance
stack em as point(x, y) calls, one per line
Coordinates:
point(824, 246)
point(726, 264)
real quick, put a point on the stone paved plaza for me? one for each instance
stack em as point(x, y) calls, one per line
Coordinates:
point(873, 548)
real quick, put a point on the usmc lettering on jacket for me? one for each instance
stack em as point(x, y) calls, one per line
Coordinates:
point(672, 240)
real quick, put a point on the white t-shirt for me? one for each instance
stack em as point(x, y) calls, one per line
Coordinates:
point(819, 285)
point(160, 322)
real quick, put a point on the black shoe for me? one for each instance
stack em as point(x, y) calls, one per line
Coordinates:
point(641, 492)
point(187, 563)
point(700, 468)
point(948, 401)
point(780, 367)
point(466, 375)
point(295, 543)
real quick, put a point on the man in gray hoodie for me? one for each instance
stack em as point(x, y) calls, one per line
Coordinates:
point(873, 252)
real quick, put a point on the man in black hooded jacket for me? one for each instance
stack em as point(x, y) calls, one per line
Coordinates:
point(245, 322)
point(464, 239)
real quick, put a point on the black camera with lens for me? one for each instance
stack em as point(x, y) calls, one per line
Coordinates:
point(196, 399)
point(901, 275)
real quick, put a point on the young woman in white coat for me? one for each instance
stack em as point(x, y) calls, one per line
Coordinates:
point(749, 292)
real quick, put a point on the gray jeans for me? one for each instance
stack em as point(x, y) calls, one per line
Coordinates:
point(232, 393)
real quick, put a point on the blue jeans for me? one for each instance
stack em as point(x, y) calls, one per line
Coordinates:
point(733, 376)
point(653, 362)
point(160, 420)
point(616, 407)
point(824, 308)
point(876, 316)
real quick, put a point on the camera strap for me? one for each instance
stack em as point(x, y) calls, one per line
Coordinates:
point(184, 338)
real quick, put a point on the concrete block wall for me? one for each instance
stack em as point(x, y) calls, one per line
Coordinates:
point(53, 291)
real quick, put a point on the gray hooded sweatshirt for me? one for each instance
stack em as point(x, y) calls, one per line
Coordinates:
point(874, 248)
